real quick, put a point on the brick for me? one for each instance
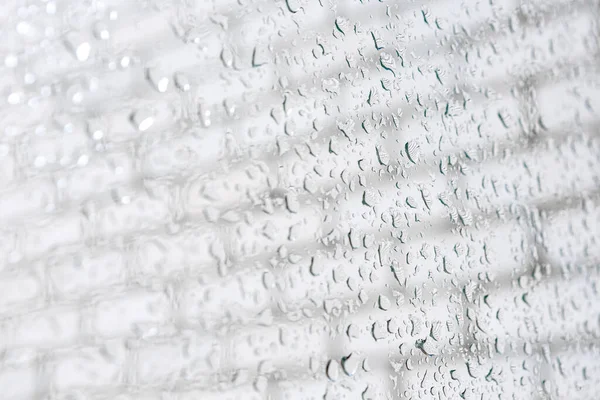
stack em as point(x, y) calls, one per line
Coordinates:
point(146, 395)
point(98, 176)
point(158, 256)
point(18, 383)
point(223, 192)
point(7, 169)
point(212, 304)
point(188, 251)
point(90, 367)
point(246, 392)
point(237, 298)
point(31, 197)
point(189, 359)
point(8, 248)
point(142, 213)
point(64, 149)
point(83, 273)
point(175, 155)
point(18, 287)
point(61, 231)
point(133, 312)
point(47, 328)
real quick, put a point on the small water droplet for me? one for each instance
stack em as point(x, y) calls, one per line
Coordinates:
point(342, 24)
point(350, 364)
point(159, 81)
point(413, 151)
point(143, 119)
point(384, 302)
point(293, 5)
point(387, 62)
point(182, 82)
point(333, 370)
point(79, 47)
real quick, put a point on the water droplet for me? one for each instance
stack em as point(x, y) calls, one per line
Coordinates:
point(382, 156)
point(350, 364)
point(333, 370)
point(413, 151)
point(293, 5)
point(384, 302)
point(182, 82)
point(101, 31)
point(143, 119)
point(260, 384)
point(387, 62)
point(342, 24)
point(79, 47)
point(260, 56)
point(159, 81)
point(205, 115)
point(369, 198)
point(379, 331)
point(292, 203)
point(11, 61)
point(316, 267)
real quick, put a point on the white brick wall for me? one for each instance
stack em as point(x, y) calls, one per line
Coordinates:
point(274, 232)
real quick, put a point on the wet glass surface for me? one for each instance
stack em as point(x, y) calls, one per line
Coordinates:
point(301, 199)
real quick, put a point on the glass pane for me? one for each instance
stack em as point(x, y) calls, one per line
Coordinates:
point(299, 199)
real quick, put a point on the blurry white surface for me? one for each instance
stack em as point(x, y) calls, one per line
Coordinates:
point(299, 199)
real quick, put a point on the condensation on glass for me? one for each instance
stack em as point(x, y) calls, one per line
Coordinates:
point(300, 199)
